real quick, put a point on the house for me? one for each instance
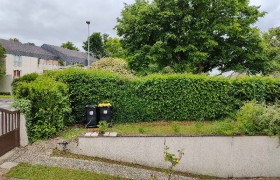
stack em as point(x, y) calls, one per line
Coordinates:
point(69, 57)
point(25, 59)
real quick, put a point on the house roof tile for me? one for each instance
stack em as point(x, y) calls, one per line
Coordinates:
point(69, 55)
point(17, 48)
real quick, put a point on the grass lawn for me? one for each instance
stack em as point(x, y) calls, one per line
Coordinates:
point(38, 172)
point(163, 127)
point(6, 97)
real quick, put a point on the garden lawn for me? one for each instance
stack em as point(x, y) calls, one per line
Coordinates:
point(6, 97)
point(163, 127)
point(39, 172)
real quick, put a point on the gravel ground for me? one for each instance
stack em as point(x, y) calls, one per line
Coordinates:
point(6, 103)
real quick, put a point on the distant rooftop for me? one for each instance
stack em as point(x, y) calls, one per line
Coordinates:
point(69, 55)
point(19, 49)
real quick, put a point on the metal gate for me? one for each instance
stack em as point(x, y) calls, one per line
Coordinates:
point(9, 130)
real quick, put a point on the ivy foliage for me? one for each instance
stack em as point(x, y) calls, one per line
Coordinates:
point(46, 106)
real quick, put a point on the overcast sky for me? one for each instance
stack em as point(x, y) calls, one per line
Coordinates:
point(58, 21)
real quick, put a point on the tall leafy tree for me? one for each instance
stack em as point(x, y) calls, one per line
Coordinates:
point(114, 49)
point(192, 35)
point(272, 40)
point(2, 55)
point(97, 45)
point(272, 37)
point(69, 45)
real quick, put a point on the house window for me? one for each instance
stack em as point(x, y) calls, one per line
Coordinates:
point(17, 60)
point(17, 73)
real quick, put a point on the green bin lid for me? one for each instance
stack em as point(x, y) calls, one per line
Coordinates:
point(91, 105)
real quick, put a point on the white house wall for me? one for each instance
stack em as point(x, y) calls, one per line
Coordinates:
point(28, 65)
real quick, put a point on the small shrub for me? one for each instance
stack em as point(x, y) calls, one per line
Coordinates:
point(269, 121)
point(46, 106)
point(175, 127)
point(225, 128)
point(247, 118)
point(198, 124)
point(255, 118)
point(168, 157)
point(141, 130)
point(103, 126)
point(26, 78)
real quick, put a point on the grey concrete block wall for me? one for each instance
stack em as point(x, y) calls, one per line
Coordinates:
point(248, 156)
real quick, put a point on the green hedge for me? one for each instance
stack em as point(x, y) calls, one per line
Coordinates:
point(156, 97)
point(160, 97)
point(26, 78)
point(5, 93)
point(46, 106)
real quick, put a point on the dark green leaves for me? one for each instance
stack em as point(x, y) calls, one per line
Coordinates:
point(192, 35)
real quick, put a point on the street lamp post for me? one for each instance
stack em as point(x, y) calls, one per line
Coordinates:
point(88, 22)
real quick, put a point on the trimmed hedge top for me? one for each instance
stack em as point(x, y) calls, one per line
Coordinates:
point(161, 97)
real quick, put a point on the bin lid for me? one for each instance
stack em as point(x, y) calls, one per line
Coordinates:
point(104, 105)
point(91, 105)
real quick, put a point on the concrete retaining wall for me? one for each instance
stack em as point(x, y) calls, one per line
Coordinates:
point(254, 156)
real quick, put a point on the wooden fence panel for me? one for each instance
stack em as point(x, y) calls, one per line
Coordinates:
point(9, 130)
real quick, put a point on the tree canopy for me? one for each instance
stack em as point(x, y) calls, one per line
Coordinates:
point(272, 40)
point(2, 55)
point(69, 45)
point(114, 49)
point(97, 45)
point(14, 39)
point(192, 35)
point(32, 44)
point(113, 65)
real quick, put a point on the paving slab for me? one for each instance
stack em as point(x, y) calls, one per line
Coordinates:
point(113, 134)
point(8, 165)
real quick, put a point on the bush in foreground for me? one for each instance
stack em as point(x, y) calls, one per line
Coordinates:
point(46, 106)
